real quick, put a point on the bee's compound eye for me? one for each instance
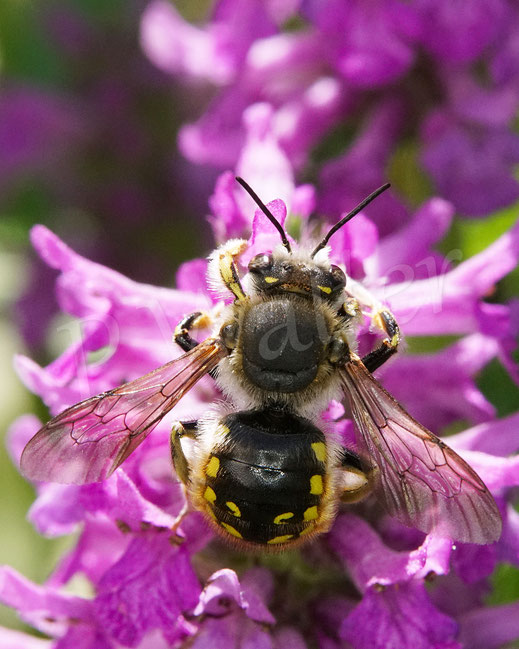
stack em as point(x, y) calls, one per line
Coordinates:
point(338, 277)
point(260, 263)
point(229, 335)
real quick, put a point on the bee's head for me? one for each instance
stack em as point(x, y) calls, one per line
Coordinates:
point(273, 273)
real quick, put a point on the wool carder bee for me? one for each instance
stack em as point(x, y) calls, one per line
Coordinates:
point(264, 468)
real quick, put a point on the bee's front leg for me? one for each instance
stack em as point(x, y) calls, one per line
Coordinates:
point(382, 319)
point(182, 337)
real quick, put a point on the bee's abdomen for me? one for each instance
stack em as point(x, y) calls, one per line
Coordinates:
point(265, 482)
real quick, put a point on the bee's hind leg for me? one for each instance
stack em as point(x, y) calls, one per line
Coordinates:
point(354, 481)
point(180, 462)
point(383, 320)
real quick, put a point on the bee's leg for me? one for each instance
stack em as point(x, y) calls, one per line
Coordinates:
point(354, 481)
point(223, 265)
point(182, 337)
point(179, 430)
point(382, 319)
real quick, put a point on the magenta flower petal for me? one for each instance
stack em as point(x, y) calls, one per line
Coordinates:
point(363, 42)
point(189, 274)
point(447, 379)
point(82, 636)
point(371, 563)
point(177, 47)
point(399, 617)
point(497, 437)
point(45, 608)
point(150, 587)
point(471, 167)
point(354, 245)
point(448, 304)
point(99, 546)
point(10, 639)
point(490, 628)
point(460, 33)
point(428, 226)
point(235, 612)
point(104, 288)
point(348, 179)
point(262, 162)
point(223, 591)
point(227, 219)
point(473, 563)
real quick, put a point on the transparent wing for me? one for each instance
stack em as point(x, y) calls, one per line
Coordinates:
point(88, 441)
point(420, 480)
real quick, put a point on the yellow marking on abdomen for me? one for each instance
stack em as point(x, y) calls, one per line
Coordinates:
point(212, 467)
point(319, 448)
point(281, 518)
point(316, 485)
point(307, 530)
point(235, 510)
point(280, 539)
point(311, 514)
point(209, 495)
point(231, 530)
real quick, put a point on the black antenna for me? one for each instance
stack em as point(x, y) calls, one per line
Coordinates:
point(265, 211)
point(350, 215)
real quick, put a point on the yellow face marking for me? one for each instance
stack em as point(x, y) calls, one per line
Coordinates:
point(231, 530)
point(209, 495)
point(235, 510)
point(325, 289)
point(319, 448)
point(316, 485)
point(212, 467)
point(281, 518)
point(280, 539)
point(271, 280)
point(310, 514)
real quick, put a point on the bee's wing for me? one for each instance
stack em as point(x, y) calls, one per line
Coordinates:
point(88, 441)
point(420, 480)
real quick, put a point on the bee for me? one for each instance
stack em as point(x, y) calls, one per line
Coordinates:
point(262, 466)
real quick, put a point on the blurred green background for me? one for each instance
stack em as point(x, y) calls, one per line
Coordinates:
point(155, 239)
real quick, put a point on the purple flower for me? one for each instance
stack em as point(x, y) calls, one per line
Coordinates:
point(345, 62)
point(341, 99)
point(152, 588)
